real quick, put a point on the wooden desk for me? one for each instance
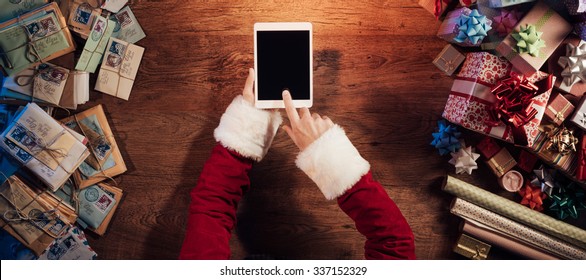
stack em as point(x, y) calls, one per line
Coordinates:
point(373, 75)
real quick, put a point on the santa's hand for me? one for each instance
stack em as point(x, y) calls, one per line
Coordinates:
point(305, 127)
point(246, 129)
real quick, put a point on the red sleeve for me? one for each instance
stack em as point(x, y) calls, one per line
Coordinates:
point(212, 212)
point(377, 217)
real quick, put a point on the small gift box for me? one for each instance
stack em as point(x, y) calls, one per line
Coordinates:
point(512, 181)
point(534, 39)
point(581, 164)
point(449, 59)
point(471, 248)
point(465, 27)
point(526, 161)
point(568, 63)
point(558, 109)
point(579, 116)
point(506, 3)
point(438, 8)
point(481, 100)
point(488, 147)
point(501, 163)
point(546, 150)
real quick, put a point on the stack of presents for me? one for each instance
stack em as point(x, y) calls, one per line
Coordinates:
point(57, 173)
point(517, 105)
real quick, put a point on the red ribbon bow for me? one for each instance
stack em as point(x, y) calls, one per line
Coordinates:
point(437, 11)
point(514, 99)
point(532, 197)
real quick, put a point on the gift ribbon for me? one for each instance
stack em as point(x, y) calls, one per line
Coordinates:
point(514, 105)
point(437, 11)
point(544, 180)
point(567, 202)
point(506, 21)
point(574, 64)
point(472, 27)
point(449, 65)
point(559, 115)
point(529, 40)
point(446, 138)
point(540, 22)
point(563, 141)
point(532, 197)
point(501, 168)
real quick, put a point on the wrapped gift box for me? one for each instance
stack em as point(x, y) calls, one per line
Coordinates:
point(439, 8)
point(542, 148)
point(558, 109)
point(488, 147)
point(579, 116)
point(471, 100)
point(555, 29)
point(568, 63)
point(471, 248)
point(449, 59)
point(527, 161)
point(581, 163)
point(501, 162)
point(465, 27)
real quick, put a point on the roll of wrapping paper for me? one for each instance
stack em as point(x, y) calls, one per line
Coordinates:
point(502, 241)
point(515, 230)
point(515, 211)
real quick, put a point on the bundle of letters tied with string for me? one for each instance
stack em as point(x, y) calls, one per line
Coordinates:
point(57, 174)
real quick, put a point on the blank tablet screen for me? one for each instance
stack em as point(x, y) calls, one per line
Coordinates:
point(283, 63)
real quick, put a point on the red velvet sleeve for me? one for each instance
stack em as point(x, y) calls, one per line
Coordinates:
point(214, 200)
point(377, 217)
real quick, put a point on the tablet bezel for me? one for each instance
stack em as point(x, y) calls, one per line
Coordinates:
point(284, 26)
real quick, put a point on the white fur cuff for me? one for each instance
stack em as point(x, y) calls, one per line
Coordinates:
point(247, 130)
point(333, 163)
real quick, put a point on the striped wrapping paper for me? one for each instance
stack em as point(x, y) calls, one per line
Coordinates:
point(515, 230)
point(515, 211)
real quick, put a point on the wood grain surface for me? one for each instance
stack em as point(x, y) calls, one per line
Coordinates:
point(372, 75)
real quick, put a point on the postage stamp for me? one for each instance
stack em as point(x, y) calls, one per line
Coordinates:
point(99, 29)
point(91, 194)
point(52, 75)
point(38, 217)
point(83, 13)
point(49, 25)
point(124, 19)
point(103, 203)
point(58, 227)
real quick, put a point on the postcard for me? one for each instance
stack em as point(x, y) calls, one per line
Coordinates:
point(127, 27)
point(104, 148)
point(45, 82)
point(119, 68)
point(44, 37)
point(93, 51)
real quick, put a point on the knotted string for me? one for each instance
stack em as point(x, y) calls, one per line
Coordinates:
point(93, 148)
point(18, 215)
point(55, 154)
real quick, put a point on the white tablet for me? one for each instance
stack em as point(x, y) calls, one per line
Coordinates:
point(283, 59)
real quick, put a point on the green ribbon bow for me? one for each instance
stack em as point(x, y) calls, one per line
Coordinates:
point(529, 40)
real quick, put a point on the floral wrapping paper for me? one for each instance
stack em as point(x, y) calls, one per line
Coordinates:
point(470, 98)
